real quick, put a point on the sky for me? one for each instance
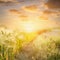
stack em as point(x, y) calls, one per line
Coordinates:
point(42, 13)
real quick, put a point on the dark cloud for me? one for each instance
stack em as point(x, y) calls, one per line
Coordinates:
point(2, 2)
point(53, 3)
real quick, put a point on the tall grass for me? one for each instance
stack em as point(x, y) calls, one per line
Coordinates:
point(12, 46)
point(10, 43)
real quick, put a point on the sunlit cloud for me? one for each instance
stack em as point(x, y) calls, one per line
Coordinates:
point(23, 16)
point(46, 14)
point(4, 1)
point(51, 12)
point(8, 2)
point(43, 17)
point(28, 11)
point(30, 8)
point(15, 12)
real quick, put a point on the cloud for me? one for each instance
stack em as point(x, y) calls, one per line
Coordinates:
point(19, 14)
point(31, 8)
point(43, 17)
point(8, 2)
point(53, 4)
point(21, 0)
point(23, 16)
point(47, 14)
point(15, 11)
point(4, 1)
point(50, 12)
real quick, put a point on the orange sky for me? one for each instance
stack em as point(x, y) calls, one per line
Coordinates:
point(15, 14)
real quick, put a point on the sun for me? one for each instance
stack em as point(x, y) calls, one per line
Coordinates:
point(29, 27)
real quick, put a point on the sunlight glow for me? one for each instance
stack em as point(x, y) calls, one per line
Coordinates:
point(29, 27)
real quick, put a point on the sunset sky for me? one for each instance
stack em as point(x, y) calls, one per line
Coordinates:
point(41, 13)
